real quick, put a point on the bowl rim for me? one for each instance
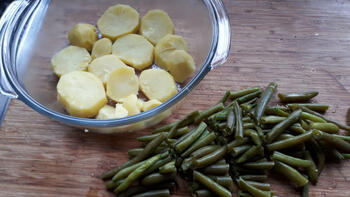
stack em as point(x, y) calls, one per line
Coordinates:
point(24, 96)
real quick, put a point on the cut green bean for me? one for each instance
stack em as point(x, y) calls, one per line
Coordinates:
point(334, 141)
point(248, 97)
point(190, 118)
point(284, 136)
point(110, 185)
point(264, 100)
point(243, 194)
point(225, 97)
point(211, 158)
point(156, 178)
point(168, 168)
point(259, 178)
point(235, 151)
point(231, 121)
point(272, 119)
point(147, 138)
point(204, 151)
point(326, 127)
point(343, 137)
point(251, 152)
point(199, 144)
point(263, 165)
point(140, 189)
point(216, 169)
point(154, 193)
point(292, 161)
point(203, 193)
point(313, 118)
point(311, 106)
point(164, 128)
point(210, 184)
point(240, 93)
point(225, 181)
point(237, 142)
point(297, 128)
point(312, 170)
point(305, 191)
point(126, 171)
point(251, 189)
point(346, 155)
point(259, 185)
point(158, 164)
point(291, 173)
point(239, 123)
point(206, 113)
point(253, 135)
point(297, 97)
point(134, 152)
point(280, 127)
point(180, 147)
point(290, 142)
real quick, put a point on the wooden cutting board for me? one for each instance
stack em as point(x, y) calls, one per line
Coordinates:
point(301, 45)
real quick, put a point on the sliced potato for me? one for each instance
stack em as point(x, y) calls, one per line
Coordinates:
point(103, 66)
point(120, 111)
point(130, 104)
point(155, 25)
point(101, 47)
point(106, 112)
point(83, 35)
point(71, 58)
point(122, 83)
point(165, 46)
point(150, 104)
point(157, 84)
point(118, 20)
point(134, 50)
point(81, 93)
point(140, 103)
point(180, 65)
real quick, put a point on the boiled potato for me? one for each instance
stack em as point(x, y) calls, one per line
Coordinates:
point(157, 84)
point(134, 50)
point(120, 111)
point(121, 83)
point(130, 104)
point(83, 35)
point(164, 48)
point(103, 66)
point(106, 112)
point(180, 65)
point(155, 25)
point(71, 58)
point(150, 104)
point(101, 47)
point(140, 103)
point(118, 20)
point(81, 93)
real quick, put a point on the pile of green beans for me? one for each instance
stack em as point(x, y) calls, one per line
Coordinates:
point(238, 140)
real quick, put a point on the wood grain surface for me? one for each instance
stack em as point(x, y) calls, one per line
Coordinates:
point(301, 45)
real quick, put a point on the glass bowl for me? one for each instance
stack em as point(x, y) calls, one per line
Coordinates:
point(33, 31)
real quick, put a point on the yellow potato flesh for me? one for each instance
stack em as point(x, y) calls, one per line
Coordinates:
point(69, 59)
point(103, 66)
point(164, 48)
point(157, 84)
point(101, 47)
point(150, 104)
point(120, 111)
point(106, 112)
point(81, 93)
point(134, 50)
point(130, 103)
point(155, 25)
point(83, 35)
point(122, 83)
point(118, 20)
point(181, 65)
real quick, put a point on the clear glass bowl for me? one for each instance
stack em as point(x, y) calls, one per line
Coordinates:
point(33, 31)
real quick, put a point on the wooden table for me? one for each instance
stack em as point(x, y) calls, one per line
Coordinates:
point(302, 45)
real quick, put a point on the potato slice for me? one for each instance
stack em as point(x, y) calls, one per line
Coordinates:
point(101, 47)
point(155, 25)
point(180, 65)
point(157, 84)
point(106, 112)
point(165, 46)
point(71, 58)
point(122, 83)
point(150, 104)
point(134, 50)
point(130, 103)
point(118, 20)
point(120, 111)
point(83, 35)
point(81, 93)
point(103, 66)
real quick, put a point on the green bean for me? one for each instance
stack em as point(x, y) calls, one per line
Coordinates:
point(247, 119)
point(291, 173)
point(217, 169)
point(276, 107)
point(330, 151)
point(239, 123)
point(221, 117)
point(231, 121)
point(189, 119)
point(321, 157)
point(210, 158)
point(225, 97)
point(156, 178)
point(180, 139)
point(110, 184)
point(204, 151)
point(182, 131)
point(225, 181)
point(312, 171)
point(210, 184)
point(186, 164)
point(343, 137)
point(251, 189)
point(248, 97)
point(134, 152)
point(326, 127)
point(313, 118)
point(293, 161)
point(235, 151)
point(340, 125)
point(259, 178)
point(272, 119)
point(136, 173)
point(280, 127)
point(147, 151)
point(126, 171)
point(263, 165)
point(264, 100)
point(259, 185)
point(253, 135)
point(203, 193)
point(290, 142)
point(284, 136)
point(140, 189)
point(237, 142)
point(168, 168)
point(251, 152)
point(243, 92)
point(158, 164)
point(246, 107)
point(164, 128)
point(154, 193)
point(297, 128)
point(249, 125)
point(243, 194)
point(297, 97)
point(206, 113)
point(331, 139)
point(311, 106)
point(147, 138)
point(222, 161)
point(305, 191)
point(180, 147)
point(199, 144)
point(346, 155)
